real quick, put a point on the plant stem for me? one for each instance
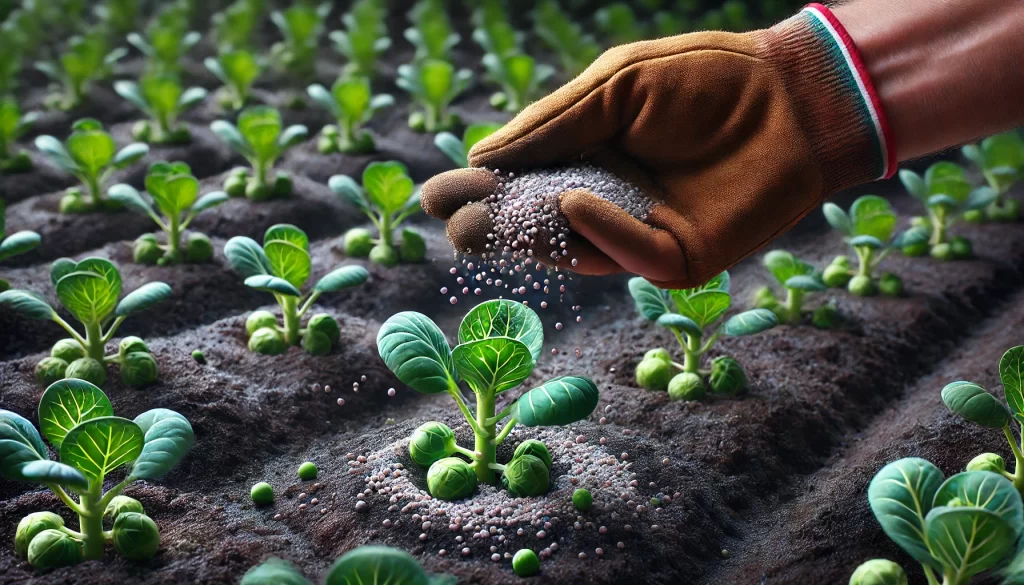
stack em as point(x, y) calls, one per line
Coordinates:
point(94, 346)
point(71, 330)
point(505, 431)
point(94, 192)
point(794, 304)
point(173, 239)
point(691, 354)
point(865, 262)
point(930, 575)
point(259, 172)
point(291, 319)
point(486, 452)
point(91, 524)
point(347, 134)
point(431, 118)
point(1018, 469)
point(938, 227)
point(386, 237)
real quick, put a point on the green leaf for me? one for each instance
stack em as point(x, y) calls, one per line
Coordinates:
point(246, 256)
point(209, 201)
point(649, 299)
point(867, 242)
point(130, 197)
point(353, 97)
point(54, 150)
point(721, 282)
point(973, 403)
point(805, 282)
point(26, 304)
point(176, 194)
point(261, 127)
point(750, 322)
point(560, 401)
point(191, 98)
point(388, 185)
point(20, 444)
point(167, 438)
point(349, 190)
point(272, 284)
point(100, 445)
point(684, 324)
point(967, 541)
point(275, 571)
point(914, 235)
point(837, 218)
point(703, 307)
point(130, 91)
point(983, 489)
point(54, 473)
point(341, 278)
point(504, 318)
point(289, 262)
point(417, 352)
point(914, 184)
point(453, 148)
point(143, 298)
point(873, 216)
point(288, 233)
point(324, 99)
point(230, 134)
point(784, 265)
point(1004, 150)
point(91, 291)
point(477, 132)
point(1011, 373)
point(67, 403)
point(980, 198)
point(18, 243)
point(93, 150)
point(130, 154)
point(376, 565)
point(494, 364)
point(900, 496)
point(292, 135)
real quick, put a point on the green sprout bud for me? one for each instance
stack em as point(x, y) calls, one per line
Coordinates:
point(961, 248)
point(384, 255)
point(282, 185)
point(146, 250)
point(74, 203)
point(326, 144)
point(50, 370)
point(943, 251)
point(198, 248)
point(315, 343)
point(836, 276)
point(136, 536)
point(268, 341)
point(525, 563)
point(262, 494)
point(139, 369)
point(120, 505)
point(330, 131)
point(430, 442)
point(890, 285)
point(418, 122)
point(987, 462)
point(920, 221)
point(132, 344)
point(199, 356)
point(324, 323)
point(526, 476)
point(87, 369)
point(686, 386)
point(658, 353)
point(141, 131)
point(52, 548)
point(498, 100)
point(862, 286)
point(1011, 210)
point(915, 250)
point(653, 374)
point(307, 471)
point(879, 572)
point(413, 248)
point(256, 191)
point(826, 317)
point(358, 242)
point(235, 184)
point(764, 298)
point(68, 350)
point(842, 261)
point(259, 320)
point(451, 479)
point(727, 376)
point(535, 448)
point(177, 136)
point(582, 499)
point(32, 525)
point(974, 216)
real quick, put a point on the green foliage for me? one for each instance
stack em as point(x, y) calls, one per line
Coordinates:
point(797, 278)
point(15, 244)
point(380, 564)
point(78, 421)
point(364, 39)
point(118, 17)
point(281, 267)
point(499, 343)
point(878, 572)
point(167, 40)
point(13, 125)
point(233, 27)
point(351, 103)
point(619, 23)
point(458, 150)
point(565, 36)
point(1001, 160)
point(520, 76)
point(301, 25)
point(946, 194)
point(11, 61)
point(431, 32)
point(237, 70)
point(868, 228)
point(163, 99)
point(433, 84)
point(85, 59)
point(260, 139)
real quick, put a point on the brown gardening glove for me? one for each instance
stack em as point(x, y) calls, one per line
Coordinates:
point(736, 137)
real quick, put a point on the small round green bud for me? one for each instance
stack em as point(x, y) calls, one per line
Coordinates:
point(451, 479)
point(307, 471)
point(262, 494)
point(198, 248)
point(862, 286)
point(764, 298)
point(974, 216)
point(727, 376)
point(132, 344)
point(32, 525)
point(1011, 210)
point(357, 242)
point(826, 317)
point(326, 144)
point(257, 191)
point(282, 185)
point(526, 476)
point(146, 250)
point(879, 572)
point(890, 285)
point(418, 122)
point(68, 350)
point(582, 499)
point(141, 131)
point(139, 369)
point(267, 341)
point(315, 343)
point(136, 536)
point(259, 320)
point(239, 172)
point(330, 130)
point(920, 221)
point(52, 548)
point(942, 251)
point(987, 462)
point(498, 100)
point(384, 255)
point(525, 563)
point(686, 386)
point(50, 370)
point(413, 248)
point(180, 135)
point(653, 374)
point(324, 323)
point(120, 505)
point(87, 369)
point(535, 448)
point(915, 250)
point(430, 442)
point(961, 248)
point(658, 353)
point(843, 261)
point(836, 276)
point(74, 203)
point(235, 184)
point(199, 356)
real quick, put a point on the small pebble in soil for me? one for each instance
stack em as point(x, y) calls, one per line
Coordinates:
point(327, 389)
point(307, 471)
point(391, 391)
point(361, 506)
point(341, 402)
point(316, 387)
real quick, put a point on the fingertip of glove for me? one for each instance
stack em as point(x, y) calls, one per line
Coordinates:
point(468, 227)
point(443, 195)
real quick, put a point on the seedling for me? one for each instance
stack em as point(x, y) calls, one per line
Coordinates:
point(619, 23)
point(11, 55)
point(259, 138)
point(86, 59)
point(233, 27)
point(947, 194)
point(166, 42)
point(799, 279)
point(458, 150)
point(563, 35)
point(14, 125)
point(174, 192)
point(694, 316)
point(364, 39)
point(352, 104)
point(301, 26)
point(433, 84)
point(868, 229)
point(521, 79)
point(1001, 160)
point(90, 156)
point(281, 267)
point(118, 16)
point(89, 291)
point(500, 342)
point(237, 70)
point(365, 565)
point(163, 99)
point(493, 31)
point(956, 527)
point(15, 244)
point(78, 421)
point(431, 33)
point(388, 197)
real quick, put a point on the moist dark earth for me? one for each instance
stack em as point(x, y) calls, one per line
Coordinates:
point(767, 488)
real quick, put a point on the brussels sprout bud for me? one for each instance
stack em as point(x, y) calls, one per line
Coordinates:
point(74, 203)
point(52, 548)
point(132, 344)
point(146, 250)
point(430, 442)
point(535, 448)
point(418, 122)
point(358, 242)
point(315, 343)
point(68, 350)
point(384, 255)
point(331, 131)
point(262, 494)
point(987, 462)
point(942, 251)
point(843, 261)
point(686, 386)
point(915, 250)
point(198, 248)
point(267, 341)
point(324, 323)
point(653, 374)
point(326, 144)
point(920, 221)
point(307, 471)
point(526, 476)
point(452, 479)
point(764, 298)
point(50, 370)
point(836, 276)
point(199, 356)
point(136, 536)
point(412, 248)
point(177, 136)
point(141, 131)
point(282, 185)
point(87, 369)
point(658, 353)
point(974, 216)
point(498, 100)
point(525, 563)
point(121, 504)
point(235, 184)
point(139, 369)
point(961, 248)
point(582, 499)
point(879, 572)
point(826, 317)
point(259, 320)
point(257, 191)
point(862, 286)
point(32, 525)
point(727, 376)
point(890, 285)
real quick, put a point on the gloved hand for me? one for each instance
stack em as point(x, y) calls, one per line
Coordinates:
point(734, 136)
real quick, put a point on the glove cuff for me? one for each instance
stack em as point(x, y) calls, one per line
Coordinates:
point(840, 109)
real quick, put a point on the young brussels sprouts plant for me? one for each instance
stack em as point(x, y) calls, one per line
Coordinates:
point(15, 244)
point(86, 59)
point(90, 156)
point(1001, 160)
point(694, 316)
point(233, 27)
point(431, 32)
point(174, 192)
point(364, 39)
point(619, 23)
point(119, 17)
point(388, 197)
point(89, 291)
point(79, 423)
point(259, 138)
point(166, 42)
point(797, 277)
point(369, 564)
point(868, 229)
point(163, 99)
point(458, 150)
point(301, 25)
point(947, 194)
point(14, 125)
point(433, 84)
point(499, 344)
point(352, 104)
point(237, 70)
point(956, 527)
point(493, 31)
point(281, 267)
point(563, 35)
point(521, 79)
